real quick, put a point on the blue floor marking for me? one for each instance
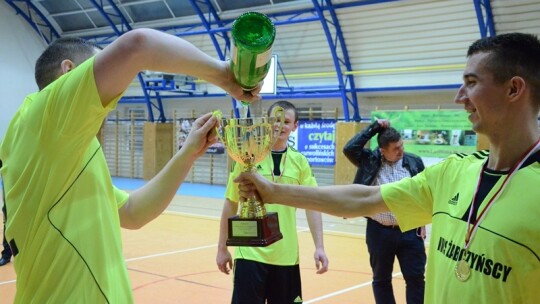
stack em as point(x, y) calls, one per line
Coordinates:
point(203, 190)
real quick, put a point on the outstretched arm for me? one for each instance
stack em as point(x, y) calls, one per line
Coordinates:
point(344, 200)
point(149, 201)
point(145, 49)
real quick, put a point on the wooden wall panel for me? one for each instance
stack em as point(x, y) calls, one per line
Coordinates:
point(157, 148)
point(344, 170)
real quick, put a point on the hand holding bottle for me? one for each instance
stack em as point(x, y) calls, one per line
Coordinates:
point(237, 91)
point(253, 35)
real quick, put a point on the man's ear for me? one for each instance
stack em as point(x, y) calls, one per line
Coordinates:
point(517, 87)
point(295, 126)
point(66, 66)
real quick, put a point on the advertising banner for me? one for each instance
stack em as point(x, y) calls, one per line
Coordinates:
point(437, 133)
point(316, 140)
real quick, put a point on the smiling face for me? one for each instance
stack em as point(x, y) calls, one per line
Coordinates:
point(482, 97)
point(289, 125)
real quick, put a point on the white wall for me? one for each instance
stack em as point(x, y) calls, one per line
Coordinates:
point(516, 16)
point(20, 48)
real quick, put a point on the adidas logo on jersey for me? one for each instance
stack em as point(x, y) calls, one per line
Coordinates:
point(298, 300)
point(454, 200)
point(259, 167)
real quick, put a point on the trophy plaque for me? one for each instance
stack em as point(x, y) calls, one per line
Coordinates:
point(249, 141)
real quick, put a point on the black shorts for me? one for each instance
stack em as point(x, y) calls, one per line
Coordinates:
point(259, 283)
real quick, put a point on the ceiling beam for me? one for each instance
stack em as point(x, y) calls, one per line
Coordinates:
point(35, 18)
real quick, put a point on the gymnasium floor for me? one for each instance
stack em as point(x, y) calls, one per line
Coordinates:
point(172, 259)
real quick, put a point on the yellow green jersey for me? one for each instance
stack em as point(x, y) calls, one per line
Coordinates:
point(504, 255)
point(61, 204)
point(295, 170)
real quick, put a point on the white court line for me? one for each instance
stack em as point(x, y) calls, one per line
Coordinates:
point(344, 290)
point(8, 282)
point(186, 250)
point(145, 257)
point(196, 215)
point(170, 253)
point(300, 229)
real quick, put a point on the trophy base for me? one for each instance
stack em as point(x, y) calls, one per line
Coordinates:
point(258, 232)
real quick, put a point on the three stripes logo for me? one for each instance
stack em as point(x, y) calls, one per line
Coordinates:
point(454, 200)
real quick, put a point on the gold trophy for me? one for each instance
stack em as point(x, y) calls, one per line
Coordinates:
point(248, 141)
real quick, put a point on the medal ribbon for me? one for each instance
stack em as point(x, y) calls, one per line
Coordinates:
point(281, 171)
point(471, 231)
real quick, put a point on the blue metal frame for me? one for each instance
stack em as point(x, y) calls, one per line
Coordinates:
point(361, 3)
point(487, 27)
point(43, 26)
point(221, 26)
point(346, 81)
point(125, 27)
point(208, 23)
point(309, 92)
point(217, 30)
point(124, 24)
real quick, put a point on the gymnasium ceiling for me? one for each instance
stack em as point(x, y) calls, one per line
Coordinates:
point(377, 46)
point(83, 17)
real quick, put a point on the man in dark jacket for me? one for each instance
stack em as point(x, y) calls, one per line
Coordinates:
point(6, 252)
point(388, 163)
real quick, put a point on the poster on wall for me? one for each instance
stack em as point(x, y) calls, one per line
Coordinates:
point(437, 133)
point(315, 139)
point(183, 127)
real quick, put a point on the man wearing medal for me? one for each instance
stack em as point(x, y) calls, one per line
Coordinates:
point(484, 207)
point(272, 274)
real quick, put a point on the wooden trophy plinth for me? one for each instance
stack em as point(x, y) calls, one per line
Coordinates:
point(257, 232)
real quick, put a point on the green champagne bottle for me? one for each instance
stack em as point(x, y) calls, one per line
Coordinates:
point(253, 36)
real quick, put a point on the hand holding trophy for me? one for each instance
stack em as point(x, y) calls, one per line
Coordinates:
point(248, 141)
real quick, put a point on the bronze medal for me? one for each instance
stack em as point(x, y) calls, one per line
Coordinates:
point(462, 270)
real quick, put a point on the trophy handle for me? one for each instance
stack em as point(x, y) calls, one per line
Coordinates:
point(278, 113)
point(219, 127)
point(219, 116)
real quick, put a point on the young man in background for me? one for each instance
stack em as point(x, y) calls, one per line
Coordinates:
point(272, 274)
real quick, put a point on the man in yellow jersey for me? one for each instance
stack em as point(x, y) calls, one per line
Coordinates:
point(272, 274)
point(484, 207)
point(63, 212)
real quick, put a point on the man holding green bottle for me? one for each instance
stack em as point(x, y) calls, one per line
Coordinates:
point(63, 212)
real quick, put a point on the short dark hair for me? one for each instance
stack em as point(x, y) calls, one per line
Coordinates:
point(47, 67)
point(387, 136)
point(286, 106)
point(513, 54)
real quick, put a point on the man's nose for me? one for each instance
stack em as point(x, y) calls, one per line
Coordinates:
point(460, 96)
